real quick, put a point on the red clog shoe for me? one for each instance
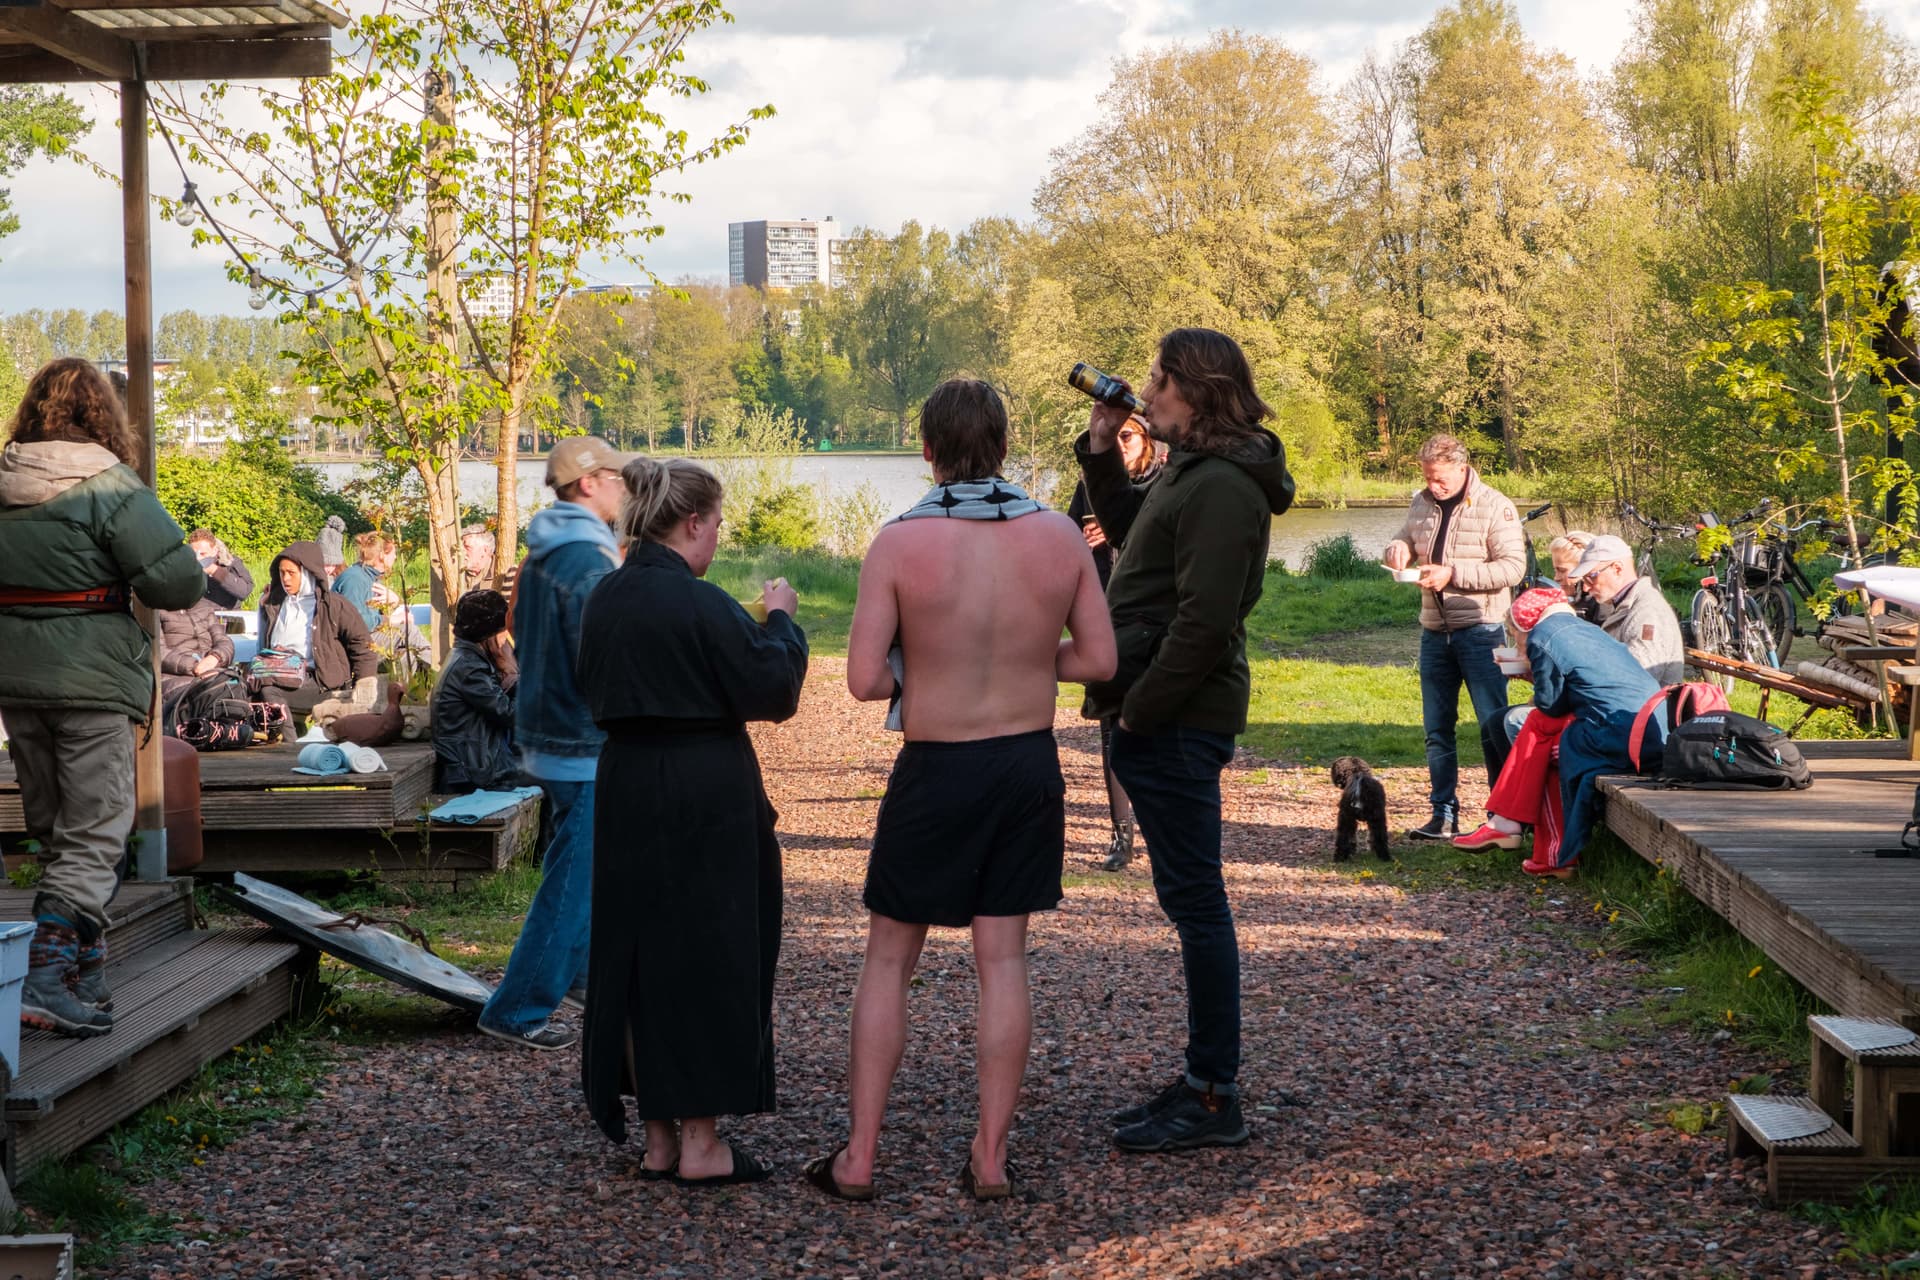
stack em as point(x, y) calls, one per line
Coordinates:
point(1487, 836)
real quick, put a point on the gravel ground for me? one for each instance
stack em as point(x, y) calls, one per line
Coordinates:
point(1424, 1099)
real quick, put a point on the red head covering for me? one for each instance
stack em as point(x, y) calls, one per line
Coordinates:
point(1531, 604)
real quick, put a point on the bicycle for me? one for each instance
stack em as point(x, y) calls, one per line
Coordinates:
point(1534, 577)
point(1727, 619)
point(1773, 572)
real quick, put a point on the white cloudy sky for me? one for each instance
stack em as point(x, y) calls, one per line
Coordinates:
point(940, 110)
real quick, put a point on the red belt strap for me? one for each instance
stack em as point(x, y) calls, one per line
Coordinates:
point(113, 599)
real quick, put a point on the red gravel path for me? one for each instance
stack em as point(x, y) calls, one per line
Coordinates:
point(1423, 1100)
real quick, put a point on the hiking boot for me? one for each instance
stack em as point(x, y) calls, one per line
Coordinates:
point(47, 1005)
point(1120, 848)
point(1151, 1107)
point(1443, 825)
point(544, 1036)
point(1189, 1121)
point(88, 980)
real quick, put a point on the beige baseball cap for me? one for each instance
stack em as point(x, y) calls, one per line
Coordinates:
point(578, 456)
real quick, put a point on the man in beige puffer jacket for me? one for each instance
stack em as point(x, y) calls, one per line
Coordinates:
point(1467, 539)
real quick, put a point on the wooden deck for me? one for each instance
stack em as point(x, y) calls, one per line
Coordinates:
point(182, 997)
point(1795, 873)
point(257, 815)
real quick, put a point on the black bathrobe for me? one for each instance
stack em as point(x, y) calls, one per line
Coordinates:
point(686, 870)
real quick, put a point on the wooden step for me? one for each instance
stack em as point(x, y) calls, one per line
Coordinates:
point(178, 1005)
point(143, 913)
point(1778, 1124)
point(1876, 1041)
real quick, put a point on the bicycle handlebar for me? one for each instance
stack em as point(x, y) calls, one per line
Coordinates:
point(1537, 512)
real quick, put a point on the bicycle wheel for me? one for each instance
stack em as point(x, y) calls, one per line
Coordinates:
point(1757, 644)
point(1776, 607)
point(1711, 634)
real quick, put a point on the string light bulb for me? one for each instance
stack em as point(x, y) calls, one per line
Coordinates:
point(257, 293)
point(184, 216)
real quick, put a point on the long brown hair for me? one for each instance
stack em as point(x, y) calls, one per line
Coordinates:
point(71, 400)
point(1215, 379)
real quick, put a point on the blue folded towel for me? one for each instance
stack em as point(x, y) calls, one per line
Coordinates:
point(321, 758)
point(481, 805)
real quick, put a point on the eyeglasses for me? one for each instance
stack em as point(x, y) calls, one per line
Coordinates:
point(1128, 437)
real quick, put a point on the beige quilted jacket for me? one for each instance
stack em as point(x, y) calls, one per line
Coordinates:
point(1486, 547)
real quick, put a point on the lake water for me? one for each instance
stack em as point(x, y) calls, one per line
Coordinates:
point(901, 479)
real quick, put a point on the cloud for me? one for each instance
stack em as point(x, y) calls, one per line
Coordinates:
point(1017, 41)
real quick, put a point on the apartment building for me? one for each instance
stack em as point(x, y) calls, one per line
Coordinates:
point(774, 254)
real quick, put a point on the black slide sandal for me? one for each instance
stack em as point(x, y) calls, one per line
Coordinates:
point(819, 1173)
point(746, 1169)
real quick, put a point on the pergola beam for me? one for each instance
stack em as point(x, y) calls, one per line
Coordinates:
point(106, 55)
point(263, 59)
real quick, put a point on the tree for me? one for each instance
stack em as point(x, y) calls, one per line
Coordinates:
point(33, 121)
point(539, 142)
point(1811, 371)
point(1202, 195)
point(693, 354)
point(894, 315)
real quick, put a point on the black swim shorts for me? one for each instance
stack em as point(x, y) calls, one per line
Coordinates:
point(970, 829)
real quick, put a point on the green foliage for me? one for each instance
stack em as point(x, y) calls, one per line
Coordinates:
point(786, 518)
point(256, 510)
point(1337, 559)
point(33, 120)
point(1881, 1224)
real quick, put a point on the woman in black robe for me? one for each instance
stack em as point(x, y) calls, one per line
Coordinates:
point(686, 871)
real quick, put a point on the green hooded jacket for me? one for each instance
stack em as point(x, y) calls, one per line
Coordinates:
point(74, 518)
point(1192, 565)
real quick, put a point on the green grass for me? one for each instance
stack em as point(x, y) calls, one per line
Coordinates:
point(97, 1193)
point(826, 586)
point(1882, 1227)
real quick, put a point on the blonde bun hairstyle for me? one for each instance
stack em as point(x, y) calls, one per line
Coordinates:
point(662, 492)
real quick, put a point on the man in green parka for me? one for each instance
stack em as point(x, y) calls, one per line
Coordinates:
point(80, 539)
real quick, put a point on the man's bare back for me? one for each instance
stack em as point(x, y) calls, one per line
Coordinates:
point(978, 607)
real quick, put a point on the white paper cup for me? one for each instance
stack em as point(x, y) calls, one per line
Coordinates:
point(1506, 653)
point(1402, 575)
point(1514, 668)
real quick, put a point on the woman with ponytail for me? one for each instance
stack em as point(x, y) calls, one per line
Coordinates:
point(685, 933)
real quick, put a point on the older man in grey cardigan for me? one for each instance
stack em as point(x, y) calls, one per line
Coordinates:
point(1632, 610)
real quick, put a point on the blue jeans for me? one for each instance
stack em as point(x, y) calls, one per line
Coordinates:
point(550, 956)
point(1173, 778)
point(1449, 659)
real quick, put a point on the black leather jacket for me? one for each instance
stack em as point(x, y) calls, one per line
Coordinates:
point(472, 725)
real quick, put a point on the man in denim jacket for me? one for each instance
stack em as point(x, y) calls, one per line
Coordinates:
point(570, 547)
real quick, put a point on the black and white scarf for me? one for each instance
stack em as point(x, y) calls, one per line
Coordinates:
point(992, 499)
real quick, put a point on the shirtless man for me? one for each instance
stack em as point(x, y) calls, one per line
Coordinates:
point(974, 585)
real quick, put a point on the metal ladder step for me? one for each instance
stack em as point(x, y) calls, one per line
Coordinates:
point(1777, 1124)
point(1880, 1041)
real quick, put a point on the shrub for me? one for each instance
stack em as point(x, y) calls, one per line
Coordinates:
point(255, 510)
point(853, 519)
point(1337, 559)
point(786, 518)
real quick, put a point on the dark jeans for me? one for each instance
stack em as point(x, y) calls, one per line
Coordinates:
point(1173, 778)
point(1449, 659)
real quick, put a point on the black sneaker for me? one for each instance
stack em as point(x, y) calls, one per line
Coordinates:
point(1150, 1108)
point(1119, 848)
point(1443, 825)
point(544, 1036)
point(1190, 1121)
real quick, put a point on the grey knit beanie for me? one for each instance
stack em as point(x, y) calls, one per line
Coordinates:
point(333, 541)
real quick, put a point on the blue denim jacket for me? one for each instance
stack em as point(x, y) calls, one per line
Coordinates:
point(569, 550)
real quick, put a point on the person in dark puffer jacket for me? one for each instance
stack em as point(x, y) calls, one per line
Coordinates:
point(473, 703)
point(193, 643)
point(80, 537)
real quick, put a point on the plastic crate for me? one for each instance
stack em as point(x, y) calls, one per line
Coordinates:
point(16, 942)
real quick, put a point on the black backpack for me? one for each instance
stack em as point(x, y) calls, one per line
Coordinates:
point(1726, 751)
point(218, 696)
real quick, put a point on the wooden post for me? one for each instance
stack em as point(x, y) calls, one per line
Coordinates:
point(443, 304)
point(149, 824)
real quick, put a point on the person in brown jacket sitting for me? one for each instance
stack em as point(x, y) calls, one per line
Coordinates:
point(315, 632)
point(1466, 538)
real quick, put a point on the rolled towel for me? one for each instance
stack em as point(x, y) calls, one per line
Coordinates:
point(363, 759)
point(321, 758)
